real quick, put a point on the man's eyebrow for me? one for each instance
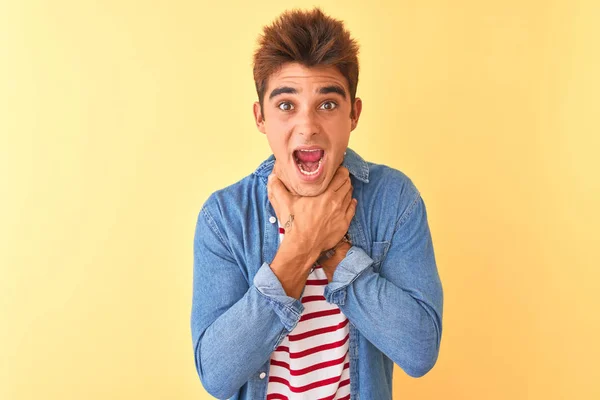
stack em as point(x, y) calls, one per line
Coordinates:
point(333, 89)
point(282, 90)
point(322, 90)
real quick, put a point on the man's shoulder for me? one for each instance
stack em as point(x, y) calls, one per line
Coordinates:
point(390, 192)
point(235, 194)
point(234, 202)
point(393, 180)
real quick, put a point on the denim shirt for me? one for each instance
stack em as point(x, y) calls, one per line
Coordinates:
point(387, 285)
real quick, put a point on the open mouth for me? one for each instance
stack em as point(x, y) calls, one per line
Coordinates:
point(309, 161)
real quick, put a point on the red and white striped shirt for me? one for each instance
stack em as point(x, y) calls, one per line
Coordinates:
point(312, 362)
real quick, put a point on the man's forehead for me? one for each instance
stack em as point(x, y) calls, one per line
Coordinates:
point(299, 81)
point(300, 74)
point(302, 80)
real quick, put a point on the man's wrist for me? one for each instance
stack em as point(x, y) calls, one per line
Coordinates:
point(341, 251)
point(330, 265)
point(301, 252)
point(345, 242)
point(291, 266)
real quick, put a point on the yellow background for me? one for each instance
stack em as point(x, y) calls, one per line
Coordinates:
point(119, 118)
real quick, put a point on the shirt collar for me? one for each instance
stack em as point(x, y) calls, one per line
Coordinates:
point(355, 164)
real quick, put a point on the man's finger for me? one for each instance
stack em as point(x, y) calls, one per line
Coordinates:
point(346, 186)
point(339, 179)
point(351, 211)
point(347, 200)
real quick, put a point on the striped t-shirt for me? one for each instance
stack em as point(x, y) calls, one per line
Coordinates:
point(312, 362)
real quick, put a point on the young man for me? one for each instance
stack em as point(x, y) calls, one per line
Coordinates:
point(316, 273)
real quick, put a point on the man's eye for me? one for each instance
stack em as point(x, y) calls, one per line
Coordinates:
point(329, 105)
point(285, 106)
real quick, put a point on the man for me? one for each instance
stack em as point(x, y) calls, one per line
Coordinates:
point(316, 273)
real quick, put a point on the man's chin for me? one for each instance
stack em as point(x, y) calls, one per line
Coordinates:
point(309, 189)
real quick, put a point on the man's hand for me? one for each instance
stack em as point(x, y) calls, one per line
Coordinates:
point(315, 223)
point(312, 225)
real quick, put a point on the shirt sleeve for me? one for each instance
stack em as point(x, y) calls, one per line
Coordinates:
point(399, 307)
point(352, 265)
point(286, 307)
point(235, 326)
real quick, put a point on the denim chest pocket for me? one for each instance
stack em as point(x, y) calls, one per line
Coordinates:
point(378, 253)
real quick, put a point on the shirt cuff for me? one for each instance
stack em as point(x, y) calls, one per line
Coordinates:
point(286, 307)
point(355, 262)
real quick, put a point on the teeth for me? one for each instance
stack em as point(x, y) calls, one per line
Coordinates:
point(309, 151)
point(310, 173)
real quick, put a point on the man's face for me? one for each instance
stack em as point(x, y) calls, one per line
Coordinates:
point(307, 122)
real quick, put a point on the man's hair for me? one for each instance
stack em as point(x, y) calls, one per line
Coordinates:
point(310, 38)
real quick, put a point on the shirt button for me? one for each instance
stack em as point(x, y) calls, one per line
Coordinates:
point(262, 375)
point(272, 220)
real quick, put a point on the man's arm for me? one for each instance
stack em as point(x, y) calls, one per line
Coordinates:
point(235, 326)
point(291, 266)
point(399, 308)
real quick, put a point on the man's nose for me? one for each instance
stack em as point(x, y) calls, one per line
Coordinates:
point(307, 124)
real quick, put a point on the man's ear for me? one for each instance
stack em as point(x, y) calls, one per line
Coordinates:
point(258, 117)
point(357, 108)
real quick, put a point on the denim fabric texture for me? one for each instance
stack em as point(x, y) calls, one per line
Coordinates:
point(387, 285)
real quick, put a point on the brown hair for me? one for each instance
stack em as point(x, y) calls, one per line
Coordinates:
point(310, 38)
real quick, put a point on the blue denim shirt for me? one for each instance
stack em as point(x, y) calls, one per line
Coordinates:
point(387, 285)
